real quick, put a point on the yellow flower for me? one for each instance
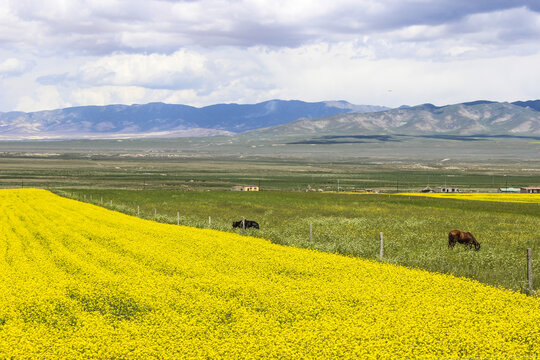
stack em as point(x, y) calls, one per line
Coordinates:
point(502, 197)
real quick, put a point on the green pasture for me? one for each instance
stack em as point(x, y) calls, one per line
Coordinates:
point(415, 229)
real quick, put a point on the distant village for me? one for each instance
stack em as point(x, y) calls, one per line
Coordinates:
point(451, 189)
point(440, 189)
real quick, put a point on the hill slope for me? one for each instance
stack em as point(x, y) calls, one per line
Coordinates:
point(479, 117)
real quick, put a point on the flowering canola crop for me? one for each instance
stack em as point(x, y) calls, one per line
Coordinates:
point(80, 281)
point(502, 197)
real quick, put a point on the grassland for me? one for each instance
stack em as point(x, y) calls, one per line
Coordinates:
point(80, 281)
point(132, 172)
point(407, 163)
point(307, 147)
point(415, 228)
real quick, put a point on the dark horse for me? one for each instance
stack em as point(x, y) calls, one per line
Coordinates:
point(248, 224)
point(462, 237)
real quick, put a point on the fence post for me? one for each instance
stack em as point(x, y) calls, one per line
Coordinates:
point(155, 212)
point(84, 197)
point(310, 233)
point(209, 221)
point(529, 270)
point(178, 218)
point(243, 223)
point(137, 210)
point(381, 251)
point(102, 200)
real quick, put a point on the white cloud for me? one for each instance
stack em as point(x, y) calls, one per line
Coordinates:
point(179, 70)
point(317, 73)
point(41, 98)
point(13, 67)
point(105, 95)
point(311, 73)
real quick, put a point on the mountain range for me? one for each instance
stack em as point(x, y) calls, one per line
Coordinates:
point(272, 118)
point(164, 120)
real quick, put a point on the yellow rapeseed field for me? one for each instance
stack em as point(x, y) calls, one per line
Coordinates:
point(502, 197)
point(80, 281)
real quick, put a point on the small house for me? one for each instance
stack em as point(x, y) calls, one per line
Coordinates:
point(447, 189)
point(427, 189)
point(245, 188)
point(531, 190)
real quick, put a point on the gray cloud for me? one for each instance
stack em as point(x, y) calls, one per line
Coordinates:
point(54, 79)
point(397, 14)
point(79, 27)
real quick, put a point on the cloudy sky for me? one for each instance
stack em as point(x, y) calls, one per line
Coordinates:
point(61, 53)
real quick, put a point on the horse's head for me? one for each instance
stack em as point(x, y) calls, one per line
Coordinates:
point(475, 243)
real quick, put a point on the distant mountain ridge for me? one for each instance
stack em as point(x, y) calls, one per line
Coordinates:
point(164, 120)
point(533, 104)
point(292, 118)
point(477, 117)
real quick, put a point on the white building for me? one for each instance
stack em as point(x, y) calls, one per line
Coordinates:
point(447, 189)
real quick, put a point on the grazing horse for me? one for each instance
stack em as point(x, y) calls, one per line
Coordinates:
point(462, 237)
point(248, 224)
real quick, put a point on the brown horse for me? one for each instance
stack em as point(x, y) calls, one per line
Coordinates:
point(462, 237)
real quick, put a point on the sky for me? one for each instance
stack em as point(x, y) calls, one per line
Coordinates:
point(62, 53)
